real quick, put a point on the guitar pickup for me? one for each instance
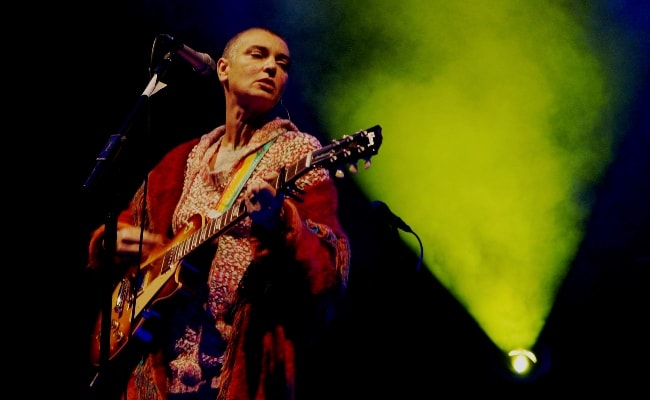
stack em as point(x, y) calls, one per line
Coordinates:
point(125, 295)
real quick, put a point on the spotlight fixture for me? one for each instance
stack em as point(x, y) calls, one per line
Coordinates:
point(522, 362)
point(523, 365)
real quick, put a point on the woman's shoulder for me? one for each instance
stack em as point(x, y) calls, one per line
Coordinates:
point(300, 138)
point(181, 150)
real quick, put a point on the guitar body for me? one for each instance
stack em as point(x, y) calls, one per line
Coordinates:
point(135, 297)
point(161, 276)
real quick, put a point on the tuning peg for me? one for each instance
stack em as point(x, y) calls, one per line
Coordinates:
point(352, 168)
point(367, 163)
point(339, 173)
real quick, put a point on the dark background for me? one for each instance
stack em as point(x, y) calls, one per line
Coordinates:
point(401, 334)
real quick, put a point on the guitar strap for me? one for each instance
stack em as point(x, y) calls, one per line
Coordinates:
point(239, 179)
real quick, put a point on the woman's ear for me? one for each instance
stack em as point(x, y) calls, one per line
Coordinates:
point(222, 69)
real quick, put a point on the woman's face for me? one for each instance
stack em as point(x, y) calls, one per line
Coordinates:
point(256, 70)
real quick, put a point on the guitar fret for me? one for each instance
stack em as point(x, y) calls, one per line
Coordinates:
point(192, 243)
point(219, 221)
point(183, 249)
point(224, 218)
point(295, 168)
point(240, 210)
point(177, 252)
point(203, 233)
point(290, 173)
point(164, 262)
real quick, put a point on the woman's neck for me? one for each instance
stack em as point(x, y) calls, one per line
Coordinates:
point(239, 131)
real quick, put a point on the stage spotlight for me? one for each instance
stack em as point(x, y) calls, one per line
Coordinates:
point(525, 365)
point(522, 362)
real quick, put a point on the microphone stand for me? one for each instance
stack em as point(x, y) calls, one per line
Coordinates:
point(105, 168)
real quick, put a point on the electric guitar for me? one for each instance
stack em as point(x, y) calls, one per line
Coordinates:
point(159, 276)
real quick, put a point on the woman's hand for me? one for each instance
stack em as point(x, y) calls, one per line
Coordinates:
point(263, 203)
point(127, 245)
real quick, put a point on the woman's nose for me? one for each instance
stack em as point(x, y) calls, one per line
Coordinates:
point(271, 67)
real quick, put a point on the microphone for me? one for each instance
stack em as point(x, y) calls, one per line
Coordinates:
point(200, 62)
point(382, 211)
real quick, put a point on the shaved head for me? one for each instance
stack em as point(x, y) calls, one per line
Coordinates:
point(231, 45)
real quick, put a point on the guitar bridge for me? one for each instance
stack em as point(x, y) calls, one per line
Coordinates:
point(124, 296)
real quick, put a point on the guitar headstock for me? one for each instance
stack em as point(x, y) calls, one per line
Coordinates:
point(348, 150)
